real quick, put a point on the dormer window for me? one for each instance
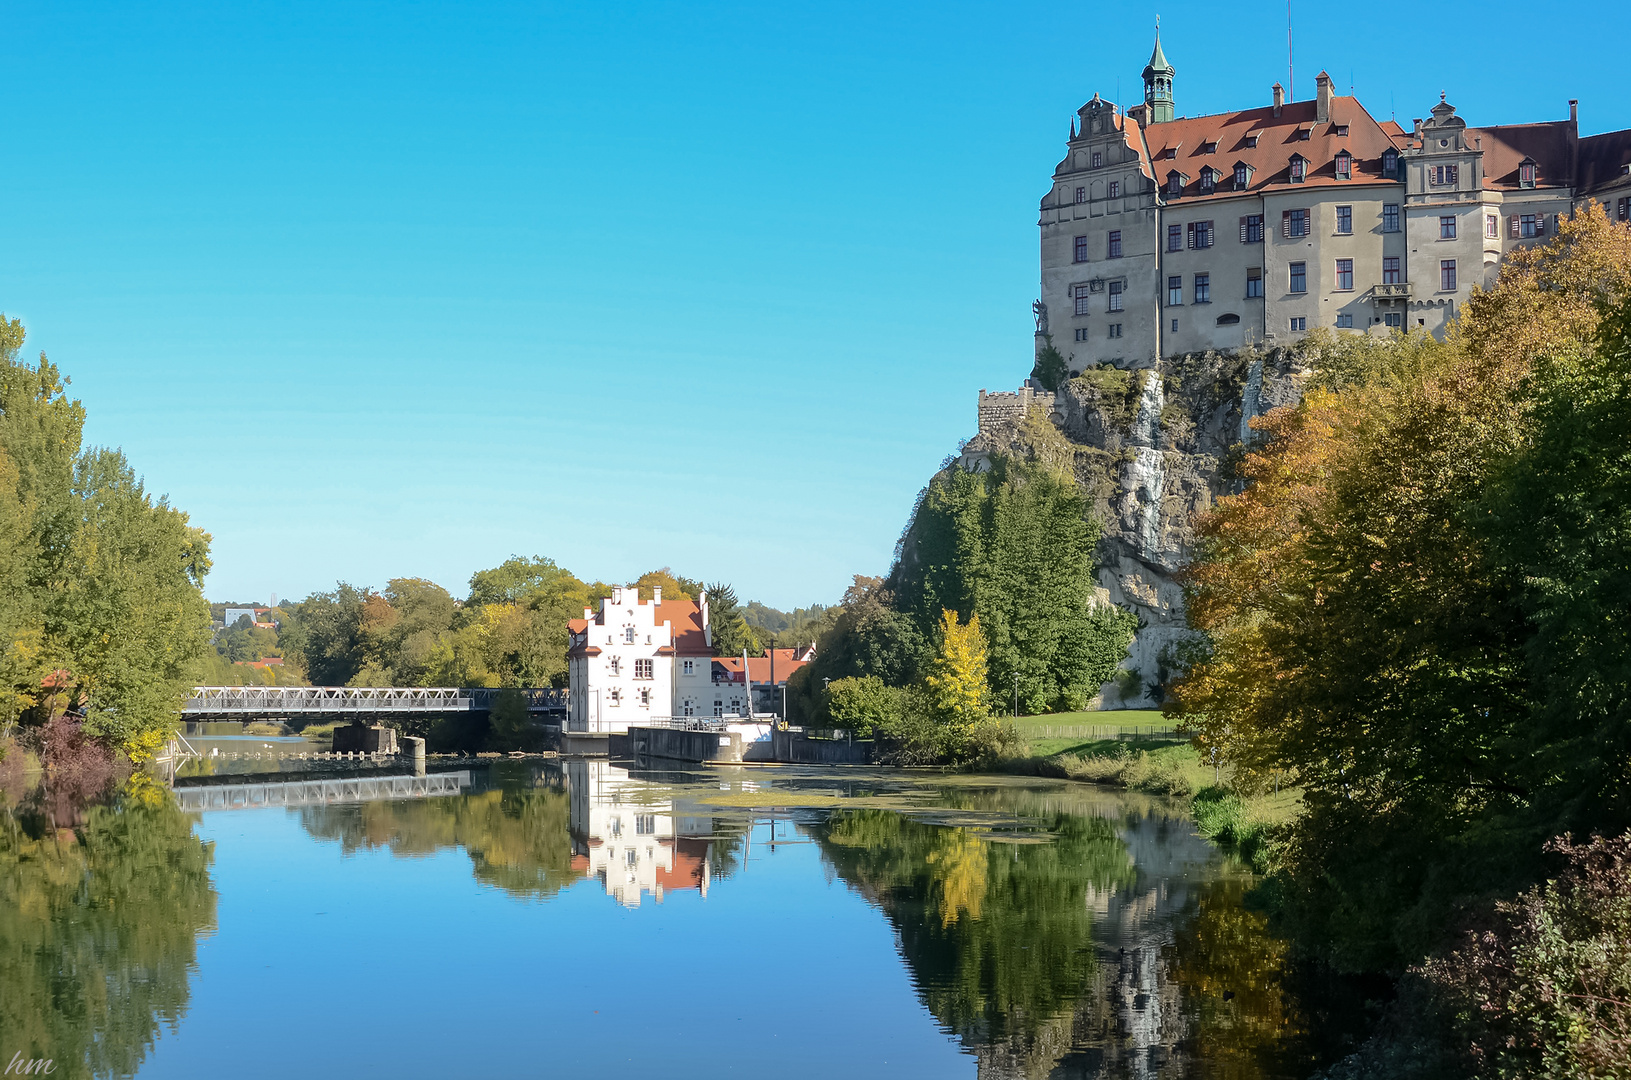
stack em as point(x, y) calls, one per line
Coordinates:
point(1390, 162)
point(1208, 180)
point(1299, 168)
point(1243, 175)
point(1528, 173)
point(1175, 183)
point(1209, 148)
point(1303, 133)
point(1171, 153)
point(1342, 129)
point(1345, 166)
point(1251, 140)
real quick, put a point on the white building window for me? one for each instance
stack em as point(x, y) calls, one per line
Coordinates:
point(628, 635)
point(645, 697)
point(614, 666)
point(689, 667)
point(645, 669)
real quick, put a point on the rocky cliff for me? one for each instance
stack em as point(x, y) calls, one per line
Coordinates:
point(1152, 448)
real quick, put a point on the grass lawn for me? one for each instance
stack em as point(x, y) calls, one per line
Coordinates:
point(1111, 721)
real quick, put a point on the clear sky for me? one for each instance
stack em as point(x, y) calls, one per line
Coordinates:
point(401, 289)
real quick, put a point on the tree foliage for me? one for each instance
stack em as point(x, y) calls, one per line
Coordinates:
point(101, 581)
point(1406, 607)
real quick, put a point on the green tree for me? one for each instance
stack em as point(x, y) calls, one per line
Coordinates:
point(864, 705)
point(731, 633)
point(326, 634)
point(1014, 545)
point(1050, 370)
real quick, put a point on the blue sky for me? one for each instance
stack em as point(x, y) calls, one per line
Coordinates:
point(382, 290)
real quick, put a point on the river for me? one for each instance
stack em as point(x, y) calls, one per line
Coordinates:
point(579, 917)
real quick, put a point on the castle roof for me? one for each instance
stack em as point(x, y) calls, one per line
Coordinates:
point(1266, 144)
point(1601, 161)
point(1549, 145)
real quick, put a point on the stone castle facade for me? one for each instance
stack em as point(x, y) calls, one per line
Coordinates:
point(1163, 235)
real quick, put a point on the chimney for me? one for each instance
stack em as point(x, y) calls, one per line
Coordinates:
point(656, 594)
point(1416, 132)
point(1279, 98)
point(1574, 110)
point(1322, 111)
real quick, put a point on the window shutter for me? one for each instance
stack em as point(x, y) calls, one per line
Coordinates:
point(1513, 221)
point(1540, 224)
point(1285, 223)
point(1242, 230)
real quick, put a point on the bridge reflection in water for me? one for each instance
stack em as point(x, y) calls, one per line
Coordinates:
point(319, 792)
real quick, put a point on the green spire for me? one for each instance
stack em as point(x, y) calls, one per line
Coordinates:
point(1158, 82)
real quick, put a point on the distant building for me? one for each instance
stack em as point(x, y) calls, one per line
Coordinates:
point(767, 675)
point(635, 660)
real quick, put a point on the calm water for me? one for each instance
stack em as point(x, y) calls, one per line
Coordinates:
point(583, 919)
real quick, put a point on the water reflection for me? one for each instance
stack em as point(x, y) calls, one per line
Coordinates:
point(100, 910)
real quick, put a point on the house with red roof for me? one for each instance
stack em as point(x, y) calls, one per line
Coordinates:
point(635, 660)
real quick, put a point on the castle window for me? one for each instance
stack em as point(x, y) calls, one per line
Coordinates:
point(1203, 288)
point(1098, 160)
point(1299, 168)
point(1081, 333)
point(1251, 140)
point(1299, 277)
point(1115, 244)
point(1390, 270)
point(1492, 227)
point(1175, 291)
point(1345, 322)
point(1207, 181)
point(1443, 175)
point(1081, 249)
point(1209, 148)
point(1228, 320)
point(1242, 176)
point(1342, 129)
point(1394, 319)
point(1299, 322)
point(1175, 238)
point(1251, 229)
point(1345, 166)
point(1175, 183)
point(1200, 234)
point(1293, 223)
point(1390, 217)
point(1345, 219)
point(1115, 330)
point(1531, 225)
point(1080, 294)
point(1115, 189)
point(1446, 227)
point(1528, 172)
point(1390, 162)
point(1115, 297)
point(1446, 275)
point(1081, 194)
point(1254, 283)
point(1345, 275)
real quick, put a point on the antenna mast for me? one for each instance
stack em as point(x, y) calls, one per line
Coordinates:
point(1291, 83)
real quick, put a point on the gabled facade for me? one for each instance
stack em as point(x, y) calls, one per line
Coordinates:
point(633, 661)
point(1164, 234)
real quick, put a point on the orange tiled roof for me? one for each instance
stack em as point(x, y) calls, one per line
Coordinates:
point(1549, 145)
point(1266, 143)
point(1602, 160)
point(690, 638)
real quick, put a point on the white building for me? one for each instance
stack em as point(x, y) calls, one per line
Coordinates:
point(635, 661)
point(630, 842)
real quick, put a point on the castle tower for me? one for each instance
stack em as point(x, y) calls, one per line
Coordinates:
point(1158, 84)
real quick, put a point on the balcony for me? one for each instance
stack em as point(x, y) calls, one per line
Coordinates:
point(1397, 291)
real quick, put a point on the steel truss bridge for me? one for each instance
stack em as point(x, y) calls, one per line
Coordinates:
point(348, 702)
point(320, 792)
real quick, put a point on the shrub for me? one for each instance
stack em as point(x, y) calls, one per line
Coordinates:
point(1544, 990)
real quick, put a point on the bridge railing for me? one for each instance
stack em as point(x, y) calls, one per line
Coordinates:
point(227, 701)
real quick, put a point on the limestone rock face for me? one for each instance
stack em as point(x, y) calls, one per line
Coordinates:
point(1153, 448)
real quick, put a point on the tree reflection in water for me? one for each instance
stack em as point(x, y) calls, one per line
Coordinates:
point(515, 833)
point(100, 911)
point(1112, 944)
